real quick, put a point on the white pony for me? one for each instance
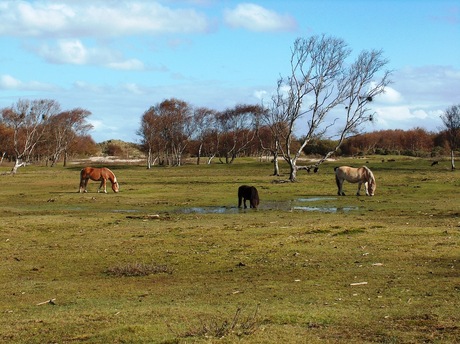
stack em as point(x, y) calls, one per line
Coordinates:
point(361, 175)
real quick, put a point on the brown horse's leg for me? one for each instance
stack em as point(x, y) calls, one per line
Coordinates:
point(83, 184)
point(103, 184)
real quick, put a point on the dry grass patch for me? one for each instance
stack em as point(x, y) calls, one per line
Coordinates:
point(138, 269)
point(218, 327)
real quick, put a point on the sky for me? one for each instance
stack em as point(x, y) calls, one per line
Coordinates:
point(116, 59)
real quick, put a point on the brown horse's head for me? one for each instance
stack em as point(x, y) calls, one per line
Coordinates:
point(115, 186)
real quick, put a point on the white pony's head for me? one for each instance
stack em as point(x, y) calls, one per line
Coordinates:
point(371, 184)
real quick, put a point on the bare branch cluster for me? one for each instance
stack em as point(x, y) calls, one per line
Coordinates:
point(32, 126)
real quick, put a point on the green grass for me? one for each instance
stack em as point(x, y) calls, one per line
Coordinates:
point(134, 267)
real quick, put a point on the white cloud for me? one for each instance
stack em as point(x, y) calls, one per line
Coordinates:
point(7, 82)
point(75, 52)
point(132, 64)
point(417, 98)
point(133, 88)
point(390, 96)
point(261, 94)
point(96, 19)
point(429, 84)
point(257, 18)
point(66, 51)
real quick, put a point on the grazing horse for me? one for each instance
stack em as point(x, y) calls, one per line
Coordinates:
point(97, 174)
point(250, 193)
point(361, 175)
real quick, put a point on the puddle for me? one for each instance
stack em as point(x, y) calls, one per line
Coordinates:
point(210, 210)
point(293, 205)
point(125, 211)
point(322, 209)
point(316, 199)
point(325, 209)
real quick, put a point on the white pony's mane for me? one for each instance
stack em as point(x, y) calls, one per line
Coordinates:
point(371, 175)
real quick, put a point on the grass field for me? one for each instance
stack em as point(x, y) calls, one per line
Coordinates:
point(170, 259)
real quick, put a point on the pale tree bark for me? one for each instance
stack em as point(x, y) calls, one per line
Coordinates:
point(451, 120)
point(205, 121)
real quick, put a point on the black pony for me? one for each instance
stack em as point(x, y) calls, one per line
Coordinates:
point(249, 193)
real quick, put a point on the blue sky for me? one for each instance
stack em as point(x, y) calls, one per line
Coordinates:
point(118, 58)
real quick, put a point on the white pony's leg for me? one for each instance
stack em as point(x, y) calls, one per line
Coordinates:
point(365, 187)
point(359, 189)
point(339, 186)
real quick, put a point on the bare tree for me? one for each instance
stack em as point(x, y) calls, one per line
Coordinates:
point(63, 130)
point(28, 120)
point(236, 127)
point(167, 128)
point(451, 120)
point(270, 131)
point(205, 122)
point(319, 82)
point(6, 141)
point(149, 131)
point(178, 127)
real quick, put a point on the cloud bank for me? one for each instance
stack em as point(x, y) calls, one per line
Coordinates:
point(257, 18)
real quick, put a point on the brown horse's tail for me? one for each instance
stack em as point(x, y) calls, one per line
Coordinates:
point(82, 179)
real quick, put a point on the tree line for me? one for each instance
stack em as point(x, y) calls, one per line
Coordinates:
point(38, 130)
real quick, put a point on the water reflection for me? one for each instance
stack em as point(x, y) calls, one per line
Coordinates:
point(292, 205)
point(210, 210)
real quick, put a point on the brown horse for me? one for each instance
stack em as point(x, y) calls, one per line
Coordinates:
point(97, 174)
point(361, 175)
